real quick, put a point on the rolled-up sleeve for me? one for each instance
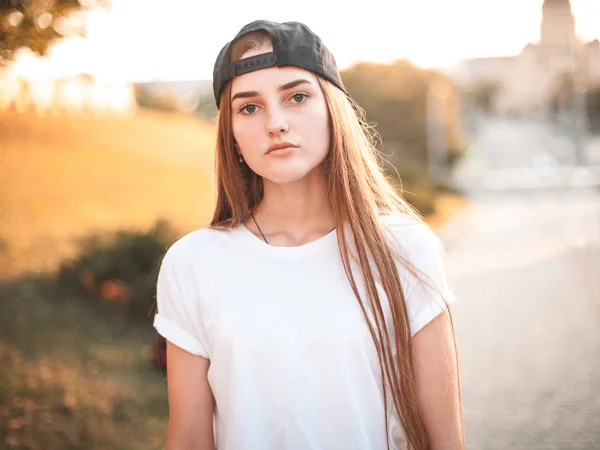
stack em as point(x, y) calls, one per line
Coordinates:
point(179, 317)
point(428, 290)
point(431, 294)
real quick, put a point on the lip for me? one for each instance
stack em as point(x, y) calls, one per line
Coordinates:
point(280, 146)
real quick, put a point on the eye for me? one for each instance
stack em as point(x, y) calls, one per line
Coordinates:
point(299, 97)
point(248, 108)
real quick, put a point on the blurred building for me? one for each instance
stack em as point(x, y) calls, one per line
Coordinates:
point(184, 96)
point(28, 85)
point(523, 85)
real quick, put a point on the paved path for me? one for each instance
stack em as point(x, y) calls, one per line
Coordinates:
point(525, 156)
point(526, 269)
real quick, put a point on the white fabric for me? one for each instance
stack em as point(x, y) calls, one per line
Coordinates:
point(293, 365)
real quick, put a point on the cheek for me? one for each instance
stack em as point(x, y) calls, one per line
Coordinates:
point(245, 134)
point(317, 132)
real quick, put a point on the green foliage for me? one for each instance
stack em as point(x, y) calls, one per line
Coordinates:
point(561, 100)
point(37, 24)
point(394, 97)
point(75, 376)
point(561, 93)
point(592, 103)
point(161, 101)
point(120, 268)
point(483, 95)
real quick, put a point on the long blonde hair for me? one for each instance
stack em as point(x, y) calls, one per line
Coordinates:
point(359, 193)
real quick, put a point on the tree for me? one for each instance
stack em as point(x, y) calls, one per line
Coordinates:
point(483, 95)
point(592, 103)
point(561, 93)
point(394, 97)
point(35, 24)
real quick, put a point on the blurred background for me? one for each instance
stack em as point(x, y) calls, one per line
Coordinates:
point(489, 114)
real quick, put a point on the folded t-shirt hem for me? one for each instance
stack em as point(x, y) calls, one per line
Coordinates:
point(178, 336)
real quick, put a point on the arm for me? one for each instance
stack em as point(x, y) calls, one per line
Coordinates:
point(191, 402)
point(437, 381)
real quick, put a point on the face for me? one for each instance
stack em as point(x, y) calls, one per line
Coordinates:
point(280, 121)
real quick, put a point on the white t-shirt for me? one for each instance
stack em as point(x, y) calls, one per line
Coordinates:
point(292, 363)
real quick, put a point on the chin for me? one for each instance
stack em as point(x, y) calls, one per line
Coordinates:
point(286, 174)
point(290, 169)
point(285, 177)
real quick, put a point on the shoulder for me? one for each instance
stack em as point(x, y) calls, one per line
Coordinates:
point(413, 241)
point(421, 261)
point(196, 246)
point(194, 258)
point(409, 233)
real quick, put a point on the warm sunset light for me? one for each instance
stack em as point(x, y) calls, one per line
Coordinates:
point(145, 39)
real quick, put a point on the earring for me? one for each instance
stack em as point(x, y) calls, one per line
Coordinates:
point(240, 158)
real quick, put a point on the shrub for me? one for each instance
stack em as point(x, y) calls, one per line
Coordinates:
point(120, 268)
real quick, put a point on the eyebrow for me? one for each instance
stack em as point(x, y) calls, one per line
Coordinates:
point(283, 87)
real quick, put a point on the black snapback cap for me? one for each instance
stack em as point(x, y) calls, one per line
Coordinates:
point(294, 44)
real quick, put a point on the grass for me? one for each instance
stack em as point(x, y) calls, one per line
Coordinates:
point(73, 374)
point(62, 179)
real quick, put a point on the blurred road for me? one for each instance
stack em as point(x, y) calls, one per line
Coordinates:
point(525, 265)
point(509, 155)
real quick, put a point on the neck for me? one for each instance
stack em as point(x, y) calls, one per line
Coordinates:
point(294, 213)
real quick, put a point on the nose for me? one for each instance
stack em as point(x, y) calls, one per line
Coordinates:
point(277, 122)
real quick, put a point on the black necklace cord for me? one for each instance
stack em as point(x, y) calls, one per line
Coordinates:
point(260, 231)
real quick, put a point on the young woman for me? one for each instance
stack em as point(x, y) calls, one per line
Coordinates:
point(313, 312)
